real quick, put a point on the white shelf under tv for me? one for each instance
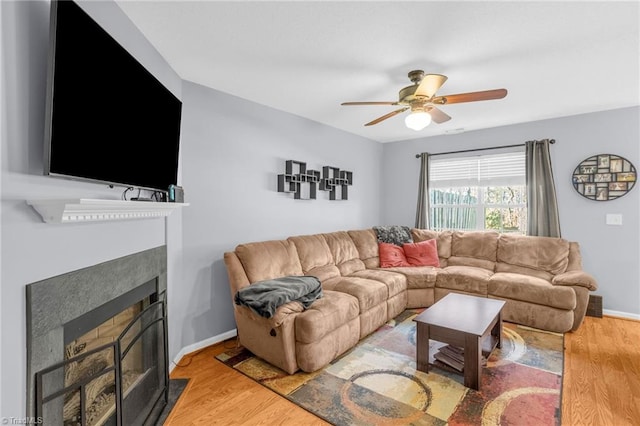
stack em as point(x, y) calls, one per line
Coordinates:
point(93, 210)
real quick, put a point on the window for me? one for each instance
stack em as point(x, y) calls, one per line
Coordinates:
point(483, 192)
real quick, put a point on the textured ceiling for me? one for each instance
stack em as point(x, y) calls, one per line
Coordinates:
point(554, 58)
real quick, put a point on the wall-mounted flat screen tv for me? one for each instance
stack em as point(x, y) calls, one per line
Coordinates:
point(108, 119)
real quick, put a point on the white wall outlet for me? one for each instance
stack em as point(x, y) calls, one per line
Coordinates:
point(614, 219)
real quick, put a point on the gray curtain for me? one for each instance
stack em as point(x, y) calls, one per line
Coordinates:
point(542, 205)
point(422, 211)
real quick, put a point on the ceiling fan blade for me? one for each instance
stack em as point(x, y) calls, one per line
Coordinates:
point(384, 117)
point(370, 103)
point(437, 115)
point(430, 84)
point(471, 97)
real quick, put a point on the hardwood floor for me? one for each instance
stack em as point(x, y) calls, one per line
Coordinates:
point(601, 384)
point(219, 395)
point(602, 373)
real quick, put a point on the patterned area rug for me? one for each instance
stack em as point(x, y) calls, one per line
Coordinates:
point(376, 383)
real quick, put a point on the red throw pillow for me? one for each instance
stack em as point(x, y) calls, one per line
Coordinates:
point(391, 255)
point(424, 253)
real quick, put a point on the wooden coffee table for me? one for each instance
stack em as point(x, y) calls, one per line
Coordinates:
point(473, 323)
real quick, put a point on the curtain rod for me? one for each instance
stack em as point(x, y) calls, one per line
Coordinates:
point(552, 141)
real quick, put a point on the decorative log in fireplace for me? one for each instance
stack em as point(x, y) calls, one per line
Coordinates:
point(100, 393)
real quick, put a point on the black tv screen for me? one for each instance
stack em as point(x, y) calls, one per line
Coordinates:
point(108, 119)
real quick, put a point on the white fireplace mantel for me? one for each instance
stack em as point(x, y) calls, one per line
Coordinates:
point(92, 210)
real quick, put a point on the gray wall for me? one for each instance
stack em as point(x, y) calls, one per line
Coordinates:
point(234, 150)
point(610, 253)
point(33, 250)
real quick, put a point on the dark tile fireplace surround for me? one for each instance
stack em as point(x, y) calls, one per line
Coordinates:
point(125, 373)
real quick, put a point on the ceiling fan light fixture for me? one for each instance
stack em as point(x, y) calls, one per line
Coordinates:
point(420, 98)
point(418, 120)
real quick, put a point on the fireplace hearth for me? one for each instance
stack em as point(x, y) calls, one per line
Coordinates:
point(97, 343)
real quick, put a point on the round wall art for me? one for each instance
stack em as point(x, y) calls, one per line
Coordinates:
point(604, 177)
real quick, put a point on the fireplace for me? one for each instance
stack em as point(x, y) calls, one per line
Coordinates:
point(97, 343)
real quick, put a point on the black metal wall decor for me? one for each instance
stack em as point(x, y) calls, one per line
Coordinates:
point(292, 182)
point(332, 178)
point(604, 177)
point(297, 175)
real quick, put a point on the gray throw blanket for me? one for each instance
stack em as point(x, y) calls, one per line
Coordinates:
point(264, 297)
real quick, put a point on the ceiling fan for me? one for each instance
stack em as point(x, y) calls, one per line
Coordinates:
point(421, 99)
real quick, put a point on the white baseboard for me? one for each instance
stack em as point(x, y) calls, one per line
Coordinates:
point(621, 314)
point(202, 344)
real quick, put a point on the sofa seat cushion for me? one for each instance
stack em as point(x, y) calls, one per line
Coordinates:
point(325, 315)
point(471, 261)
point(418, 276)
point(396, 283)
point(369, 293)
point(506, 267)
point(468, 279)
point(531, 289)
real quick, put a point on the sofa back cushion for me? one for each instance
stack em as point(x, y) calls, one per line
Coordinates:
point(366, 243)
point(315, 256)
point(474, 248)
point(539, 253)
point(269, 259)
point(443, 241)
point(344, 251)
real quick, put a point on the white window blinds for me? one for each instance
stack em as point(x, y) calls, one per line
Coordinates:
point(505, 169)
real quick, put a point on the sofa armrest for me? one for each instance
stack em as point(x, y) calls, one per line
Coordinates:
point(284, 311)
point(237, 276)
point(281, 314)
point(577, 278)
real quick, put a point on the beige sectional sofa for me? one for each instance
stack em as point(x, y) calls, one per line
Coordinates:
point(541, 279)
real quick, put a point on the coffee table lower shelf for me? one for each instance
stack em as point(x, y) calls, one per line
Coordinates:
point(488, 345)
